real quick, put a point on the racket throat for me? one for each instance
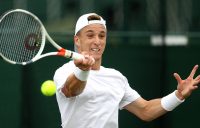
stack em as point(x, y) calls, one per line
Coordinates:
point(65, 53)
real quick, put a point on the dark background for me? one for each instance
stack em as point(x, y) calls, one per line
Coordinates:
point(132, 26)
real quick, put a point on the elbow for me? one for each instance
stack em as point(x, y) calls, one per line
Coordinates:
point(70, 93)
point(73, 89)
point(147, 118)
point(147, 115)
point(74, 93)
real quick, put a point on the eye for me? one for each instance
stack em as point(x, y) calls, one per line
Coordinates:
point(102, 35)
point(90, 35)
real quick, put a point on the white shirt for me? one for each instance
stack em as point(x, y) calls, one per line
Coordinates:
point(106, 92)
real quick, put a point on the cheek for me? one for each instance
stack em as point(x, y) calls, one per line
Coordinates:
point(85, 46)
point(103, 44)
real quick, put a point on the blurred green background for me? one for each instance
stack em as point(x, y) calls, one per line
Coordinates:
point(148, 40)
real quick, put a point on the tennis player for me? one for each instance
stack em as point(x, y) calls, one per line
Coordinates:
point(90, 95)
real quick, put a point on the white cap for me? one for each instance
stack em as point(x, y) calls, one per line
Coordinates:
point(83, 21)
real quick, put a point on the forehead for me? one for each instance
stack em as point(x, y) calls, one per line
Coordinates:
point(93, 28)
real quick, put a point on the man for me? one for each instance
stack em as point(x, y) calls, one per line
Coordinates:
point(89, 95)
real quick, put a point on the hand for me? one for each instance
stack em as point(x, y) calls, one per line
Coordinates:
point(185, 87)
point(85, 63)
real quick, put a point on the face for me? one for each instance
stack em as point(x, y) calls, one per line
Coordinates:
point(92, 39)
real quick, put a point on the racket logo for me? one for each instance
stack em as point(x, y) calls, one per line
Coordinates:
point(32, 42)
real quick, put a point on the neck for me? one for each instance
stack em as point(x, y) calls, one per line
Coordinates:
point(97, 65)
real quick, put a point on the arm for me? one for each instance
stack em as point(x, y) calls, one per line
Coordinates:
point(76, 82)
point(146, 110)
point(149, 110)
point(73, 86)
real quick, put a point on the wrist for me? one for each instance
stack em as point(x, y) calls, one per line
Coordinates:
point(80, 74)
point(179, 95)
point(171, 101)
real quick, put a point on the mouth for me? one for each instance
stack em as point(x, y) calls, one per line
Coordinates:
point(95, 49)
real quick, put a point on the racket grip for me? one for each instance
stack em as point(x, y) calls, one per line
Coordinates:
point(77, 56)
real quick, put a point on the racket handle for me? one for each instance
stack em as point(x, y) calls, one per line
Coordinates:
point(76, 56)
point(73, 55)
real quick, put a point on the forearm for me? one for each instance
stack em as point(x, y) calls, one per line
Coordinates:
point(146, 110)
point(75, 83)
point(73, 86)
point(158, 107)
point(153, 110)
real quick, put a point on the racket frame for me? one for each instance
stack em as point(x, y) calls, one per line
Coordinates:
point(61, 51)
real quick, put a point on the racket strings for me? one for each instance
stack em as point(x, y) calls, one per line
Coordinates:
point(20, 37)
point(9, 35)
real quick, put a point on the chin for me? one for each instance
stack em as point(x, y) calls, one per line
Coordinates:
point(96, 57)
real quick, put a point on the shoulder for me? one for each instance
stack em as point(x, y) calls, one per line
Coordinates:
point(67, 67)
point(112, 71)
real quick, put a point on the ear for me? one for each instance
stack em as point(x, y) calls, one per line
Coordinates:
point(76, 41)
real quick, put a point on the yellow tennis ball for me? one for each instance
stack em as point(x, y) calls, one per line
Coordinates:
point(48, 88)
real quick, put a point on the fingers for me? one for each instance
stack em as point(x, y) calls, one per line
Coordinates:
point(197, 80)
point(78, 61)
point(177, 77)
point(88, 60)
point(85, 63)
point(193, 87)
point(193, 71)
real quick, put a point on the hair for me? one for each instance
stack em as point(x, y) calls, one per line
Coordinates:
point(94, 17)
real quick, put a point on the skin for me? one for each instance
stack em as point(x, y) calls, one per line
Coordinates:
point(150, 110)
point(91, 42)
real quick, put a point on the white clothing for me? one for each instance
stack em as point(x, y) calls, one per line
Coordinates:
point(106, 92)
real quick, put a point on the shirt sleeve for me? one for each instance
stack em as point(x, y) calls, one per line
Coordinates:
point(62, 74)
point(130, 95)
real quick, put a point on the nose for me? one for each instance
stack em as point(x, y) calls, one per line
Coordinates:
point(97, 40)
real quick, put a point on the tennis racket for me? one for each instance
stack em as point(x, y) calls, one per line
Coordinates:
point(23, 37)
